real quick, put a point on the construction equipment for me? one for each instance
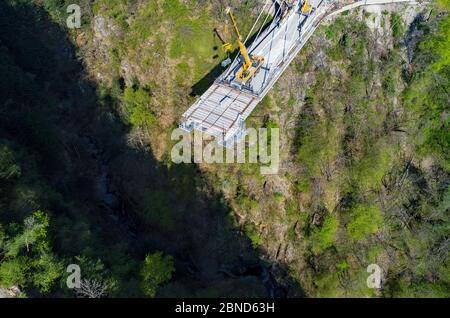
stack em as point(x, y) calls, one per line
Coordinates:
point(226, 46)
point(222, 110)
point(305, 8)
point(250, 65)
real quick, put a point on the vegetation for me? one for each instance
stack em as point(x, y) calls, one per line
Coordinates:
point(137, 106)
point(46, 205)
point(157, 269)
point(324, 236)
point(370, 153)
point(86, 176)
point(364, 220)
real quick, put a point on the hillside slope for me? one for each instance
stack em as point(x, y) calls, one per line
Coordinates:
point(85, 164)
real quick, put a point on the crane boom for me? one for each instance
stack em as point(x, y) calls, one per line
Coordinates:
point(242, 48)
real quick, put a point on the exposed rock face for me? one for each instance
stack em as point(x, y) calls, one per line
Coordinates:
point(382, 26)
point(105, 34)
point(12, 292)
point(100, 27)
point(127, 72)
point(104, 28)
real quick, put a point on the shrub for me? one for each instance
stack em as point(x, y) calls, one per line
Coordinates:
point(364, 220)
point(157, 269)
point(253, 235)
point(323, 237)
point(137, 105)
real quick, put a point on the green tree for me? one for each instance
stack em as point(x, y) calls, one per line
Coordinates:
point(323, 237)
point(427, 98)
point(8, 167)
point(252, 232)
point(28, 257)
point(46, 270)
point(364, 220)
point(157, 269)
point(13, 272)
point(137, 103)
point(34, 233)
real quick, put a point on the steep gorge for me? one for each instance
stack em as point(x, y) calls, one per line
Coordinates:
point(357, 184)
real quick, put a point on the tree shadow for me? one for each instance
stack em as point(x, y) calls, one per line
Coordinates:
point(107, 199)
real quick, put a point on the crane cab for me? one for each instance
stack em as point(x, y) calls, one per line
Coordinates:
point(243, 75)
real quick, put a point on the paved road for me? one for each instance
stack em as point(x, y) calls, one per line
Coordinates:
point(373, 2)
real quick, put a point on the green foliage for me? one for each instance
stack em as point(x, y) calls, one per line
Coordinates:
point(247, 203)
point(279, 197)
point(373, 253)
point(323, 237)
point(137, 103)
point(318, 146)
point(55, 8)
point(368, 172)
point(252, 233)
point(47, 158)
point(407, 289)
point(397, 26)
point(159, 210)
point(427, 96)
point(389, 84)
point(34, 234)
point(364, 220)
point(8, 166)
point(329, 33)
point(302, 185)
point(46, 270)
point(31, 248)
point(327, 285)
point(156, 270)
point(346, 150)
point(291, 235)
point(443, 5)
point(94, 269)
point(342, 266)
point(13, 272)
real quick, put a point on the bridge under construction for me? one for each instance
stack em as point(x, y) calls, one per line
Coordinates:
point(222, 110)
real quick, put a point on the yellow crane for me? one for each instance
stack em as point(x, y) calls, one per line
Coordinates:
point(250, 65)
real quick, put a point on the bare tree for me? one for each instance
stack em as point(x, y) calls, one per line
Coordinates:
point(91, 288)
